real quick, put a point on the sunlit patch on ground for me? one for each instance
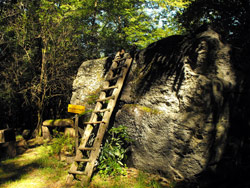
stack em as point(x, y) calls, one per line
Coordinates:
point(33, 169)
point(26, 183)
point(36, 169)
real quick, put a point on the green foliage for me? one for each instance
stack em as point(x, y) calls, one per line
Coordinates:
point(152, 21)
point(33, 169)
point(39, 55)
point(144, 180)
point(43, 42)
point(61, 143)
point(114, 152)
point(19, 137)
point(229, 17)
point(91, 99)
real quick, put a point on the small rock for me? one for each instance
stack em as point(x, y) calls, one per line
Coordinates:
point(26, 134)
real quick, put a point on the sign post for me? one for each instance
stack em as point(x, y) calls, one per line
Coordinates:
point(77, 109)
point(76, 130)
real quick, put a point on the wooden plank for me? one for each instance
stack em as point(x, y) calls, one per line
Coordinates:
point(120, 66)
point(76, 130)
point(103, 126)
point(85, 148)
point(113, 78)
point(89, 129)
point(82, 160)
point(105, 99)
point(109, 88)
point(58, 123)
point(96, 122)
point(103, 110)
point(76, 172)
point(102, 129)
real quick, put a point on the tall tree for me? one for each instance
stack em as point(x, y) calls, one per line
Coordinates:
point(42, 42)
point(59, 40)
point(230, 17)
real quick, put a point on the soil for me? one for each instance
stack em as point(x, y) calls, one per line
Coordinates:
point(33, 167)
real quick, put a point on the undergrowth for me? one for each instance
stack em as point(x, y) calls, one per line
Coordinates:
point(114, 152)
point(141, 180)
point(61, 143)
point(40, 168)
point(35, 168)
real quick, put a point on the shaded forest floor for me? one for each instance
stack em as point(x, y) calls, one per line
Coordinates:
point(33, 168)
point(36, 168)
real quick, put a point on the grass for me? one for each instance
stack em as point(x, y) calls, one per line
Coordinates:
point(37, 168)
point(19, 137)
point(34, 168)
point(133, 179)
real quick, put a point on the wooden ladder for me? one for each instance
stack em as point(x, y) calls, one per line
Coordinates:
point(88, 151)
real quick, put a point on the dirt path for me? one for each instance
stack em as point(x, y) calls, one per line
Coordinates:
point(36, 169)
point(33, 169)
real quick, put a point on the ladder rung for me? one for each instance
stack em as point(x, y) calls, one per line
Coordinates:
point(114, 78)
point(96, 122)
point(105, 99)
point(124, 65)
point(119, 60)
point(82, 160)
point(77, 172)
point(108, 88)
point(87, 149)
point(94, 150)
point(104, 110)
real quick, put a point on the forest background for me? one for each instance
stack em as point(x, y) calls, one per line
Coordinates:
point(43, 42)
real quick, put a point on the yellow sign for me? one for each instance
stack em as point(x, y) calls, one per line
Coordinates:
point(77, 109)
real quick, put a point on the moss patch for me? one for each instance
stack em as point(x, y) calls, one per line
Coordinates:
point(142, 108)
point(58, 122)
point(92, 96)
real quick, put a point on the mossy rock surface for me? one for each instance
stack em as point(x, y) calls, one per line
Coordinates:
point(58, 123)
point(174, 104)
point(143, 108)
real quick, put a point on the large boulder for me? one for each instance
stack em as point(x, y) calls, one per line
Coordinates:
point(87, 84)
point(89, 79)
point(174, 103)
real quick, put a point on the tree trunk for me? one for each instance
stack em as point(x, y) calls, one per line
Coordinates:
point(42, 88)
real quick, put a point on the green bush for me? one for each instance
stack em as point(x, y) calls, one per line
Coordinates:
point(61, 143)
point(114, 152)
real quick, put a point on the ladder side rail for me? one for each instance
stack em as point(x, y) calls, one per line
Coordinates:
point(88, 129)
point(102, 129)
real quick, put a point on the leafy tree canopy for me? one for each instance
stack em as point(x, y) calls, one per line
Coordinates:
point(230, 17)
point(41, 41)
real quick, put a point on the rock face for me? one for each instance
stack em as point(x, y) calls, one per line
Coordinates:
point(89, 79)
point(174, 103)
